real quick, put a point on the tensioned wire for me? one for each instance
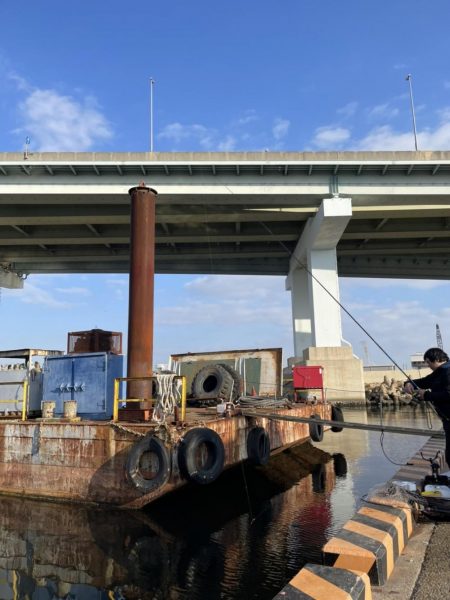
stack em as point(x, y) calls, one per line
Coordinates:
point(338, 302)
point(348, 313)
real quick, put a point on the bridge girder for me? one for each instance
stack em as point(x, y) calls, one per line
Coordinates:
point(225, 213)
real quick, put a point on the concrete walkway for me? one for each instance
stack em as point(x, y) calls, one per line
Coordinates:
point(422, 572)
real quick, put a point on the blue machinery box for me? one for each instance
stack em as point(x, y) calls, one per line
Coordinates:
point(86, 378)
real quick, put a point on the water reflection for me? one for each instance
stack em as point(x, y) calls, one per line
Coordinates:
point(244, 536)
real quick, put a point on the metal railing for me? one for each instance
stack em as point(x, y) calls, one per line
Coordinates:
point(24, 396)
point(117, 400)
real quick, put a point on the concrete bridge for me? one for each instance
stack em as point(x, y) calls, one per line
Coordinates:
point(308, 216)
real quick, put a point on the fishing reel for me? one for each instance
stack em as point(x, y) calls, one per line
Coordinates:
point(435, 477)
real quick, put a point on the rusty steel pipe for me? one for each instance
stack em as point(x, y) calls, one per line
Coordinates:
point(141, 291)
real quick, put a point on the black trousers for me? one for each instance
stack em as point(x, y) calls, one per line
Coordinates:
point(447, 441)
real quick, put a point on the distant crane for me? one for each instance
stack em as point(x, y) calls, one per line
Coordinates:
point(439, 338)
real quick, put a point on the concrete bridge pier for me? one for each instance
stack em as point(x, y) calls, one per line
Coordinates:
point(314, 285)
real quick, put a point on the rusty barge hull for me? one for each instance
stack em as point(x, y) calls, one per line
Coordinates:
point(85, 461)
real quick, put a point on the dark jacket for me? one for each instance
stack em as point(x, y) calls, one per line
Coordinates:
point(438, 385)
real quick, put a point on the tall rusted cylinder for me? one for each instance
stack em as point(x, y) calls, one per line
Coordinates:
point(141, 291)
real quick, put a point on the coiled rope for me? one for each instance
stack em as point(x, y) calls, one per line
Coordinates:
point(168, 393)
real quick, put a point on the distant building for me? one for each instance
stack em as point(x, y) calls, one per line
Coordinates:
point(417, 361)
point(379, 368)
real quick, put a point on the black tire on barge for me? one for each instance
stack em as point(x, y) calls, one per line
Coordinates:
point(315, 430)
point(237, 381)
point(213, 381)
point(201, 455)
point(148, 464)
point(337, 415)
point(258, 446)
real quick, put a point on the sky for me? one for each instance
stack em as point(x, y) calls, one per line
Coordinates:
point(288, 76)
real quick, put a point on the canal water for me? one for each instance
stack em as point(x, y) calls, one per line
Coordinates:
point(243, 537)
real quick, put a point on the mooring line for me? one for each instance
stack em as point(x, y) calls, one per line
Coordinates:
point(344, 424)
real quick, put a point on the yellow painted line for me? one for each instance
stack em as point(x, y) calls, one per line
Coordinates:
point(386, 518)
point(376, 534)
point(316, 587)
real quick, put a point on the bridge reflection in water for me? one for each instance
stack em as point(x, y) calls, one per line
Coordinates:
point(244, 536)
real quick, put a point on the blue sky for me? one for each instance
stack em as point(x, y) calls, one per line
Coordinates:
point(295, 75)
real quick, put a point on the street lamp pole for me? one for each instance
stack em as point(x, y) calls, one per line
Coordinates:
point(152, 82)
point(409, 80)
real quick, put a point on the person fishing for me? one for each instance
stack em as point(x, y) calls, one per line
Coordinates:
point(435, 388)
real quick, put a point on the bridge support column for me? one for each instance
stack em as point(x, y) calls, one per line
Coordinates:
point(313, 278)
point(314, 285)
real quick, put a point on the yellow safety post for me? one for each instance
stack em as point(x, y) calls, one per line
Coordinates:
point(183, 397)
point(25, 401)
point(116, 399)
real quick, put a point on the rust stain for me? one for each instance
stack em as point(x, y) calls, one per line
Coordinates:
point(86, 461)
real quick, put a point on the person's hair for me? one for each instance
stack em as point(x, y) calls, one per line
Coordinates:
point(435, 355)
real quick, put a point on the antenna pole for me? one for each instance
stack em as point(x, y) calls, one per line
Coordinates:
point(409, 80)
point(152, 82)
point(26, 153)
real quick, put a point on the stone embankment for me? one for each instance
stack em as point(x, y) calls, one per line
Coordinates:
point(388, 392)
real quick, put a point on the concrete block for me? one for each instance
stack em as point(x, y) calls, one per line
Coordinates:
point(342, 373)
point(320, 582)
point(371, 541)
point(327, 353)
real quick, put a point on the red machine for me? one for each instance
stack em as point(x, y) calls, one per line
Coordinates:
point(308, 378)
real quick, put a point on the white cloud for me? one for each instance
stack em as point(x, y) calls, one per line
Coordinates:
point(57, 123)
point(280, 128)
point(444, 114)
point(20, 83)
point(386, 138)
point(242, 299)
point(117, 281)
point(35, 295)
point(249, 116)
point(74, 291)
point(378, 283)
point(212, 313)
point(177, 133)
point(119, 286)
point(228, 144)
point(383, 111)
point(329, 136)
point(236, 287)
point(348, 110)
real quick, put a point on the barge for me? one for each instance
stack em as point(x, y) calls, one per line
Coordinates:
point(127, 462)
point(146, 449)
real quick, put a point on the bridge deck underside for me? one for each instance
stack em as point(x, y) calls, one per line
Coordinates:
point(234, 218)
